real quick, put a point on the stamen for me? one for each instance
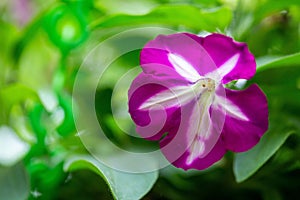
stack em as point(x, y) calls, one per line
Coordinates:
point(206, 83)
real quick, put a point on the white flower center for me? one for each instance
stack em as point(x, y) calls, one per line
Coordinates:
point(205, 84)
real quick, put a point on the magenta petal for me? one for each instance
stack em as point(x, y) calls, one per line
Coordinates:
point(151, 124)
point(154, 56)
point(223, 49)
point(216, 153)
point(190, 149)
point(202, 163)
point(241, 135)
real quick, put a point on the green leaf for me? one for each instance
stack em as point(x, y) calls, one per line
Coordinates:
point(14, 183)
point(276, 62)
point(247, 163)
point(174, 15)
point(122, 185)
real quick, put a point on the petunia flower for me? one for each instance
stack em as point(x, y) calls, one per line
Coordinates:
point(180, 99)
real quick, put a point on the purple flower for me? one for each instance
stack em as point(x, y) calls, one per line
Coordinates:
point(180, 98)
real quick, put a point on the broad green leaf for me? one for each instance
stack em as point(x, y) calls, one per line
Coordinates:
point(14, 183)
point(276, 62)
point(122, 185)
point(173, 15)
point(247, 163)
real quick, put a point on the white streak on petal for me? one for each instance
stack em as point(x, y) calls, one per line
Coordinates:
point(230, 108)
point(200, 129)
point(228, 66)
point(198, 147)
point(225, 68)
point(184, 68)
point(175, 96)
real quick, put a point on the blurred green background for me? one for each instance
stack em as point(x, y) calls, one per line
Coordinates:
point(44, 43)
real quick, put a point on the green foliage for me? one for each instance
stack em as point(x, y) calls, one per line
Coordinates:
point(247, 163)
point(172, 15)
point(123, 185)
point(284, 61)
